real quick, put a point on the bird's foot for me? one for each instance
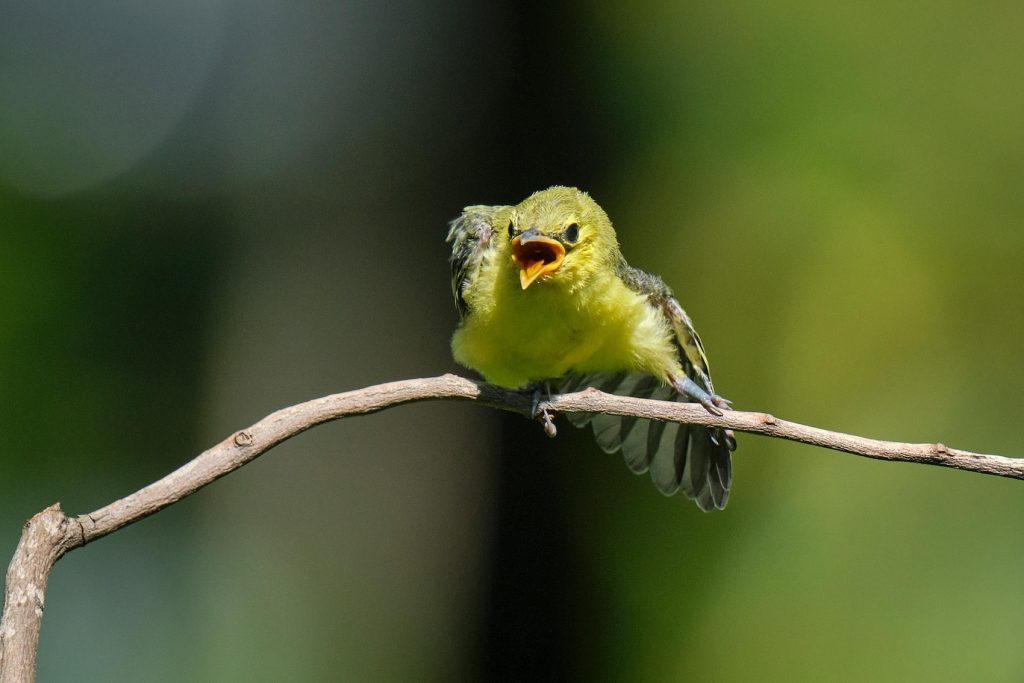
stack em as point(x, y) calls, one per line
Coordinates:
point(713, 403)
point(542, 413)
point(727, 434)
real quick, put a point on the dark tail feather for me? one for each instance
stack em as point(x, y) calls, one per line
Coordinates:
point(688, 457)
point(708, 474)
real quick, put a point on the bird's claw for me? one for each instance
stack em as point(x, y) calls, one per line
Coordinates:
point(730, 438)
point(712, 407)
point(549, 425)
point(542, 413)
point(713, 403)
point(718, 404)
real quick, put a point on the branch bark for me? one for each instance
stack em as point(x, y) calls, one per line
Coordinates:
point(50, 534)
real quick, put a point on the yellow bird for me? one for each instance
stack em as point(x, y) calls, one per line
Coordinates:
point(544, 295)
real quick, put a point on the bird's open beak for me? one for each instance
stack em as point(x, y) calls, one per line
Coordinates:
point(536, 255)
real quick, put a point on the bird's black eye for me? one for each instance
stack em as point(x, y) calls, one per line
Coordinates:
point(511, 229)
point(572, 233)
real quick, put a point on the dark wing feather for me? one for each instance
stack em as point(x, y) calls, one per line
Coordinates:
point(678, 457)
point(690, 458)
point(472, 238)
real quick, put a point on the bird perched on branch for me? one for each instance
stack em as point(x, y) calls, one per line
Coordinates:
point(545, 296)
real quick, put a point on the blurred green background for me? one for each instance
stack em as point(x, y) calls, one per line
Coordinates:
point(212, 209)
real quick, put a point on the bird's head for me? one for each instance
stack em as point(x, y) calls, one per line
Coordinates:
point(560, 235)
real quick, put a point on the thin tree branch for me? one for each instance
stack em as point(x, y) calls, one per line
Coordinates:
point(50, 534)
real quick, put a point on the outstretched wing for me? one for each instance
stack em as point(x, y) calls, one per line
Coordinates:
point(472, 237)
point(690, 458)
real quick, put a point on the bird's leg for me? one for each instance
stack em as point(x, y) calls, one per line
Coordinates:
point(543, 414)
point(713, 403)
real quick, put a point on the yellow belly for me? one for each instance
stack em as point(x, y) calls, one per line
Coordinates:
point(544, 332)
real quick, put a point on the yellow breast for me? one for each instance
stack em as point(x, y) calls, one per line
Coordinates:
point(515, 337)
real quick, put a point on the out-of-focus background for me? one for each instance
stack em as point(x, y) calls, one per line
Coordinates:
point(213, 209)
